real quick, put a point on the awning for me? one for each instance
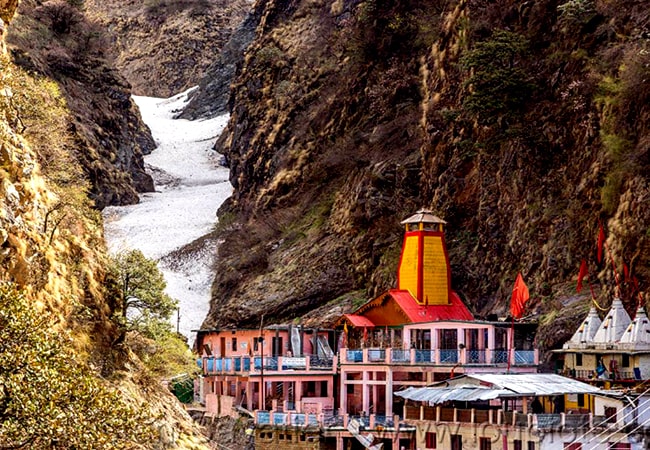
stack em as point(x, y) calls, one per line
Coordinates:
point(435, 396)
point(492, 386)
point(359, 321)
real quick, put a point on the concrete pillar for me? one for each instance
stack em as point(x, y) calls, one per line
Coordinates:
point(249, 395)
point(490, 345)
point(389, 392)
point(260, 399)
point(298, 395)
point(339, 442)
point(365, 392)
point(344, 392)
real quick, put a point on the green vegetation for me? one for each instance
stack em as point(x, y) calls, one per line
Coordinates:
point(144, 310)
point(498, 85)
point(141, 301)
point(48, 397)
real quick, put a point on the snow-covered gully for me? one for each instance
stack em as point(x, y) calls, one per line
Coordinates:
point(190, 187)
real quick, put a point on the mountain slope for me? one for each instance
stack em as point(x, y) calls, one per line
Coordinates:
point(521, 125)
point(163, 47)
point(56, 40)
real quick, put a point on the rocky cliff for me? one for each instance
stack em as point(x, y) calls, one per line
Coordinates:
point(523, 125)
point(55, 39)
point(52, 250)
point(164, 47)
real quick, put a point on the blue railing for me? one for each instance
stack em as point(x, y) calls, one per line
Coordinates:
point(376, 354)
point(399, 355)
point(424, 356)
point(475, 356)
point(448, 356)
point(263, 418)
point(499, 356)
point(279, 418)
point(316, 362)
point(354, 355)
point(525, 357)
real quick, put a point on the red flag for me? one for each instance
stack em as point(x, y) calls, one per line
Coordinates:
point(601, 240)
point(583, 273)
point(519, 297)
point(626, 272)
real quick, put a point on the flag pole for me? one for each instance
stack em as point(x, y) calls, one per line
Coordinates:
point(511, 352)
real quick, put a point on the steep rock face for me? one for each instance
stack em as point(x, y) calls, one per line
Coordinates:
point(521, 125)
point(211, 98)
point(52, 249)
point(164, 47)
point(109, 135)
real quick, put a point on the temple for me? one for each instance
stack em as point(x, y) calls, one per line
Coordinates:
point(414, 358)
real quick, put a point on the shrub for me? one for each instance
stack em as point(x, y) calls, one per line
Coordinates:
point(498, 85)
point(49, 398)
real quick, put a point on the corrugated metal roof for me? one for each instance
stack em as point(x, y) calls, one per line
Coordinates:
point(491, 386)
point(435, 396)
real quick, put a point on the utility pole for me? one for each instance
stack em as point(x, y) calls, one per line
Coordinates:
point(178, 320)
point(260, 339)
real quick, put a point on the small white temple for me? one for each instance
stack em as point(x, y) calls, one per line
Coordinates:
point(637, 334)
point(614, 325)
point(586, 332)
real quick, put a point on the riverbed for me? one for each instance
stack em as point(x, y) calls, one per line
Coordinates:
point(190, 185)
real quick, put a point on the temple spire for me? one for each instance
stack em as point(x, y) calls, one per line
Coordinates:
point(424, 265)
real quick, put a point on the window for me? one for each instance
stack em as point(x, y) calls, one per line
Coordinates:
point(234, 344)
point(350, 388)
point(531, 445)
point(581, 400)
point(572, 446)
point(430, 440)
point(456, 442)
point(517, 444)
point(625, 360)
point(620, 446)
point(578, 359)
point(485, 443)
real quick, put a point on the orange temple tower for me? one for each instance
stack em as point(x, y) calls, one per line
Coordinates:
point(424, 265)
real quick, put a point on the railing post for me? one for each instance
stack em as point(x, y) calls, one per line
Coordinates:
point(591, 420)
point(499, 416)
point(562, 420)
point(529, 422)
point(421, 412)
point(364, 358)
point(437, 413)
point(412, 355)
point(472, 415)
point(346, 419)
point(455, 415)
point(371, 422)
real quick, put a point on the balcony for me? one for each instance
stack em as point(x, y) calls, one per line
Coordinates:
point(465, 357)
point(542, 422)
point(212, 365)
point(326, 421)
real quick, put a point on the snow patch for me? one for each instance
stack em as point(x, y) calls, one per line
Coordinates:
point(190, 187)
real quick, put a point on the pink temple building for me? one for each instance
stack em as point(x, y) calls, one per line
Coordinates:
point(343, 380)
